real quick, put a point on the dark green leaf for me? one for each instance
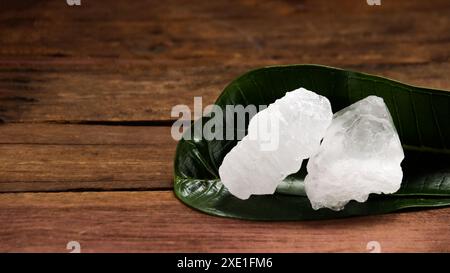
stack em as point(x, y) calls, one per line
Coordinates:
point(422, 118)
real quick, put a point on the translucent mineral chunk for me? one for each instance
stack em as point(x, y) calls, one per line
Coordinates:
point(360, 154)
point(297, 122)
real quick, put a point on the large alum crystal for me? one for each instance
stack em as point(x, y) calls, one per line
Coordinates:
point(297, 122)
point(360, 154)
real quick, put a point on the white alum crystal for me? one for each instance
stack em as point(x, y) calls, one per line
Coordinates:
point(360, 154)
point(298, 122)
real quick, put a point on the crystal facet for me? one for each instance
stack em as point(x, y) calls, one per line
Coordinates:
point(360, 154)
point(298, 122)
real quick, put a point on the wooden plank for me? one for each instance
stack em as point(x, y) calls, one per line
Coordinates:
point(157, 222)
point(136, 61)
point(54, 157)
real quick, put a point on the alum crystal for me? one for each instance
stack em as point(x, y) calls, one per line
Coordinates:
point(258, 163)
point(360, 154)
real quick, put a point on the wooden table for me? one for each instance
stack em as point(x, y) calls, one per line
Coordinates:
point(85, 98)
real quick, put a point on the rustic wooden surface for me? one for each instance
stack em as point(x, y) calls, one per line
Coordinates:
point(85, 99)
point(154, 221)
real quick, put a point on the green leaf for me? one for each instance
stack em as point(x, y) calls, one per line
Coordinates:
point(421, 116)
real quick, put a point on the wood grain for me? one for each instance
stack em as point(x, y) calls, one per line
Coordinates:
point(75, 82)
point(59, 157)
point(157, 222)
point(116, 61)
